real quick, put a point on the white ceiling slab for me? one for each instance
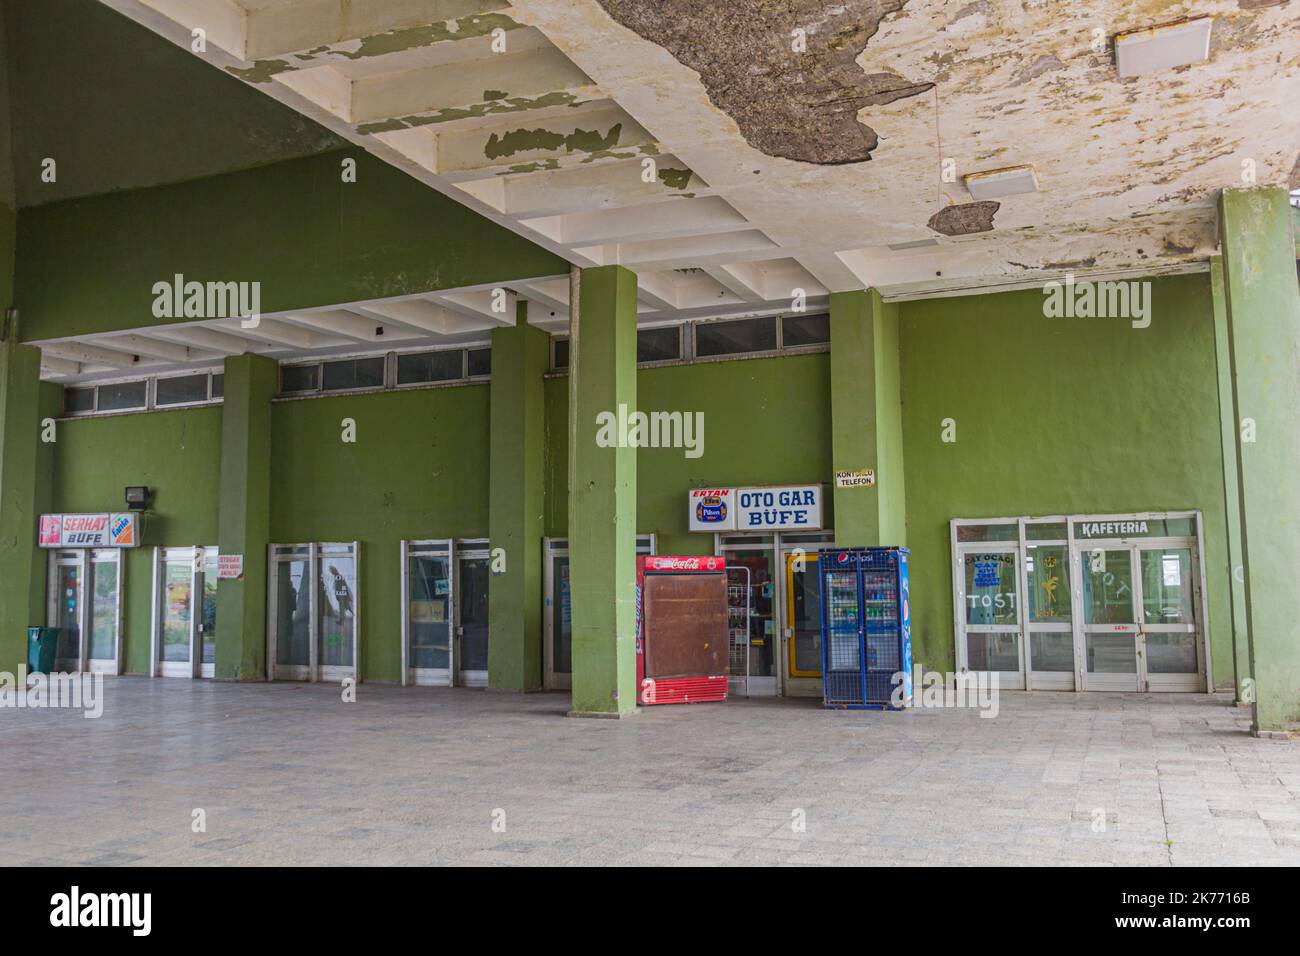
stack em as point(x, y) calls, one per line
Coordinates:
point(557, 121)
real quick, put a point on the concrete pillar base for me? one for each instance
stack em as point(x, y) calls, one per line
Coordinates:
point(604, 714)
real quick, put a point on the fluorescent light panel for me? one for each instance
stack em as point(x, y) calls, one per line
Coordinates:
point(997, 183)
point(1163, 47)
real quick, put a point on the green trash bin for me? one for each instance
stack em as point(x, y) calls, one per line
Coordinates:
point(41, 643)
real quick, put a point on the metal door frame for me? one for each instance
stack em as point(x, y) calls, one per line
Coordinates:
point(559, 548)
point(468, 549)
point(1203, 680)
point(313, 671)
point(197, 558)
point(84, 560)
point(1184, 683)
point(429, 548)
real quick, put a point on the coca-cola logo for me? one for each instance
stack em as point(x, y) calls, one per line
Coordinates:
point(684, 564)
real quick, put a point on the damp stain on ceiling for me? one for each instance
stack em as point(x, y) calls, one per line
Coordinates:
point(786, 72)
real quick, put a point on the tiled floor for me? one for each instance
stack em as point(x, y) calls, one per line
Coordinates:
point(288, 773)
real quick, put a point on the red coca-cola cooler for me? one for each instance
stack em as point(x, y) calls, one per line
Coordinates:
point(681, 629)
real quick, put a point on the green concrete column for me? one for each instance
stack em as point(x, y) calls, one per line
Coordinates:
point(25, 488)
point(244, 514)
point(520, 357)
point(867, 418)
point(602, 493)
point(1263, 298)
point(1231, 485)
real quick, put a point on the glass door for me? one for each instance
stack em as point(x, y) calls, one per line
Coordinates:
point(1049, 616)
point(313, 606)
point(105, 612)
point(84, 593)
point(1112, 639)
point(989, 612)
point(290, 612)
point(758, 555)
point(803, 616)
point(471, 653)
point(559, 609)
point(428, 588)
point(1168, 585)
point(185, 612)
point(175, 612)
point(208, 614)
point(67, 574)
point(336, 603)
point(559, 617)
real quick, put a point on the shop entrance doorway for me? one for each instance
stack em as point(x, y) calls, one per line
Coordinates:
point(1140, 623)
point(313, 608)
point(83, 600)
point(1098, 602)
point(558, 650)
point(784, 610)
point(185, 612)
point(471, 605)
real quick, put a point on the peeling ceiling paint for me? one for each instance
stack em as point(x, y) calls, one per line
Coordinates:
point(786, 72)
point(965, 218)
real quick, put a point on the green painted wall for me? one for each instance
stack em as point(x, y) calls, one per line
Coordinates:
point(1058, 415)
point(118, 107)
point(418, 469)
point(1104, 418)
point(178, 454)
point(766, 422)
point(310, 239)
point(520, 355)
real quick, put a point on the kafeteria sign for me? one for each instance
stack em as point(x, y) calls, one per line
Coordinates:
point(114, 530)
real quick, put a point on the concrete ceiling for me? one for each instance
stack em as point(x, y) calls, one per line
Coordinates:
point(433, 320)
point(692, 142)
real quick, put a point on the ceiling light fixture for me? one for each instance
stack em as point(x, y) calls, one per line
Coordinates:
point(1163, 46)
point(913, 244)
point(997, 183)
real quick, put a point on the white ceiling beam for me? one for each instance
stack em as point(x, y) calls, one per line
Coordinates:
point(58, 366)
point(686, 252)
point(143, 345)
point(277, 333)
point(482, 304)
point(86, 354)
point(351, 325)
point(418, 314)
point(590, 188)
point(658, 290)
point(664, 220)
point(210, 340)
point(742, 279)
